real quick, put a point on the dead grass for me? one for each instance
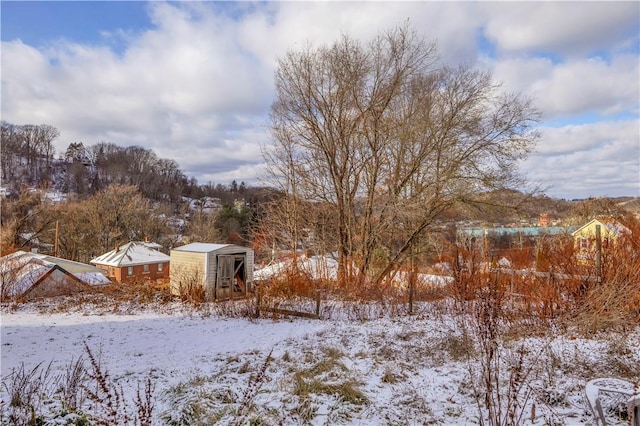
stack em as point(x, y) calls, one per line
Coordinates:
point(82, 395)
point(24, 389)
point(328, 376)
point(346, 391)
point(193, 293)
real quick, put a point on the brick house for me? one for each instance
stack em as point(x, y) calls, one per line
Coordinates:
point(134, 261)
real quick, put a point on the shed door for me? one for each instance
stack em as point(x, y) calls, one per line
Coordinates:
point(239, 288)
point(224, 277)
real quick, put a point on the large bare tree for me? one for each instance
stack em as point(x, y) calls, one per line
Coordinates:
point(390, 140)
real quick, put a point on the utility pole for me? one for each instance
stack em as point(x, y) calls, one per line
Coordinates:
point(598, 254)
point(55, 243)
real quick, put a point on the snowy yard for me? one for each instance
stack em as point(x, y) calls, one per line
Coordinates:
point(209, 368)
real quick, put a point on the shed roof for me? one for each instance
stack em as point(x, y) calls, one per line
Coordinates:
point(130, 254)
point(202, 247)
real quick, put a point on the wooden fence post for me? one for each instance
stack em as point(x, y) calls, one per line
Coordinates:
point(318, 303)
point(411, 291)
point(258, 301)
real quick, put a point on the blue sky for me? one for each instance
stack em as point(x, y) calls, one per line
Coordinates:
point(194, 80)
point(42, 23)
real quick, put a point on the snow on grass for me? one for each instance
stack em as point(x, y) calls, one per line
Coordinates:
point(213, 369)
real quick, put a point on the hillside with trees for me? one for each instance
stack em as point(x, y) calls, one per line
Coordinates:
point(151, 197)
point(103, 194)
point(28, 158)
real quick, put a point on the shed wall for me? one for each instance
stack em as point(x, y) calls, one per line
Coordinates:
point(212, 265)
point(186, 268)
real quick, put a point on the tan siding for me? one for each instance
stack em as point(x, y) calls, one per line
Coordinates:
point(185, 266)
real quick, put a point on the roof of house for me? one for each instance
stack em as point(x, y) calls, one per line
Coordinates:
point(26, 269)
point(201, 247)
point(527, 230)
point(131, 254)
point(612, 226)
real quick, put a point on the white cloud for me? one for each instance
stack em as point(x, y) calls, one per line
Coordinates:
point(577, 86)
point(182, 84)
point(564, 27)
point(270, 31)
point(588, 160)
point(197, 85)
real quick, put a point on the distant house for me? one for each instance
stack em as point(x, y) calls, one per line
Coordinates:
point(134, 261)
point(585, 237)
point(30, 241)
point(27, 276)
point(545, 219)
point(223, 271)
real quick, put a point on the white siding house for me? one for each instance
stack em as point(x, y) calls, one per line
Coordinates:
point(224, 270)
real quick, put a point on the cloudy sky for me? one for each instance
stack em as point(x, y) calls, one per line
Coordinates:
point(194, 80)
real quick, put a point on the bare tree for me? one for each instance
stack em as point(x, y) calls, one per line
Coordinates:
point(37, 147)
point(76, 234)
point(24, 220)
point(120, 214)
point(9, 154)
point(202, 227)
point(46, 135)
point(390, 141)
point(32, 143)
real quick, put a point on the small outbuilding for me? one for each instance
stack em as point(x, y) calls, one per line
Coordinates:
point(28, 276)
point(223, 271)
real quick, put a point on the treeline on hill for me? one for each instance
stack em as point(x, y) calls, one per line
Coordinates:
point(27, 152)
point(89, 226)
point(28, 158)
point(114, 194)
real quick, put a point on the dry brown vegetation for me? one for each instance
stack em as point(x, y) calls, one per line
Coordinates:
point(492, 310)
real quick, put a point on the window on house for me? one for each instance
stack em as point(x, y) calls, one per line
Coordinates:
point(130, 270)
point(145, 269)
point(160, 267)
point(584, 243)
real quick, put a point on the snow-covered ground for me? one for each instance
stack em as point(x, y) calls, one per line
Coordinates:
point(208, 368)
point(326, 268)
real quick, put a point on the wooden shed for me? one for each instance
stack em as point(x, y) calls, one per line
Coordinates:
point(224, 271)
